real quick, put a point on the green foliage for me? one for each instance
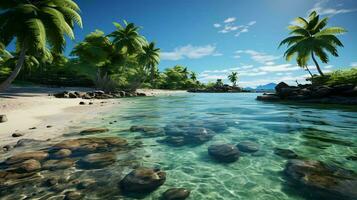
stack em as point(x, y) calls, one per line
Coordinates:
point(233, 77)
point(312, 38)
point(177, 78)
point(348, 76)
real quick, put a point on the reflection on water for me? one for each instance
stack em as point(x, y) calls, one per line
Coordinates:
point(192, 122)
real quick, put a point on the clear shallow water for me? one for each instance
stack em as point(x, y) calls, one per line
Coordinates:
point(313, 132)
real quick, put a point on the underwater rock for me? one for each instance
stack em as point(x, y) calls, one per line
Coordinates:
point(93, 131)
point(148, 131)
point(175, 194)
point(73, 195)
point(29, 166)
point(142, 180)
point(325, 181)
point(91, 145)
point(285, 153)
point(58, 164)
point(248, 146)
point(176, 141)
point(62, 153)
point(224, 152)
point(97, 160)
point(36, 155)
point(86, 183)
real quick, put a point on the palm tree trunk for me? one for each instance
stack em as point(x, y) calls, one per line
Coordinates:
point(317, 64)
point(307, 69)
point(4, 85)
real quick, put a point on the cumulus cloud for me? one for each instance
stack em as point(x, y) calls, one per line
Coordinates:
point(353, 64)
point(229, 25)
point(230, 20)
point(323, 9)
point(259, 57)
point(190, 52)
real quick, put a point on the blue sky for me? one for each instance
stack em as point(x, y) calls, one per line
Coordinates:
point(215, 37)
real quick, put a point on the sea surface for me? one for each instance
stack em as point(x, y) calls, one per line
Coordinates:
point(316, 132)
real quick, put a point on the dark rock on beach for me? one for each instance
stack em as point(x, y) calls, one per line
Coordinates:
point(17, 134)
point(98, 94)
point(248, 146)
point(338, 94)
point(324, 181)
point(142, 180)
point(224, 152)
point(175, 194)
point(3, 118)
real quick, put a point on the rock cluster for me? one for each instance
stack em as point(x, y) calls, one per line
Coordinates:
point(97, 94)
point(218, 89)
point(224, 152)
point(338, 94)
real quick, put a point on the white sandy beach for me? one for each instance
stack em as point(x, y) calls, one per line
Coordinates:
point(31, 107)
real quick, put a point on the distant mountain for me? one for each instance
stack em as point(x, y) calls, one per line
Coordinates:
point(248, 88)
point(269, 86)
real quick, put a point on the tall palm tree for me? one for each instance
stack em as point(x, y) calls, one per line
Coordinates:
point(311, 38)
point(150, 58)
point(127, 39)
point(233, 77)
point(35, 25)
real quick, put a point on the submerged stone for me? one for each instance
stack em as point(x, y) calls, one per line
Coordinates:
point(93, 131)
point(36, 155)
point(148, 131)
point(62, 153)
point(97, 160)
point(248, 146)
point(285, 153)
point(325, 181)
point(29, 166)
point(176, 194)
point(224, 152)
point(142, 180)
point(58, 164)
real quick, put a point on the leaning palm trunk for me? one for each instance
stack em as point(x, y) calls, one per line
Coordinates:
point(6, 84)
point(317, 64)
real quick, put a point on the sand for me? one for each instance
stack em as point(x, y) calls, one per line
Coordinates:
point(32, 107)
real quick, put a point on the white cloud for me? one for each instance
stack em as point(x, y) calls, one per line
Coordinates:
point(328, 67)
point(259, 57)
point(189, 51)
point(230, 20)
point(353, 64)
point(252, 23)
point(230, 26)
point(279, 68)
point(217, 54)
point(321, 7)
point(217, 25)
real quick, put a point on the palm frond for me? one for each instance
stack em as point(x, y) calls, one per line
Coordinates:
point(331, 31)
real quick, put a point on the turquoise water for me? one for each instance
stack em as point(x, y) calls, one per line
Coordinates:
point(326, 133)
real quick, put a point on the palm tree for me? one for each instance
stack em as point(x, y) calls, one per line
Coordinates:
point(193, 76)
point(127, 39)
point(311, 38)
point(233, 77)
point(150, 58)
point(35, 25)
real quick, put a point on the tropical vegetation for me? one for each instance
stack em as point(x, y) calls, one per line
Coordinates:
point(233, 78)
point(311, 38)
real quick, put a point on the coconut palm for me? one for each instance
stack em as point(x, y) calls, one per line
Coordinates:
point(233, 77)
point(193, 76)
point(35, 25)
point(150, 58)
point(311, 38)
point(127, 39)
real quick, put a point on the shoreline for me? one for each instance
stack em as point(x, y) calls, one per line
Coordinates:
point(30, 110)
